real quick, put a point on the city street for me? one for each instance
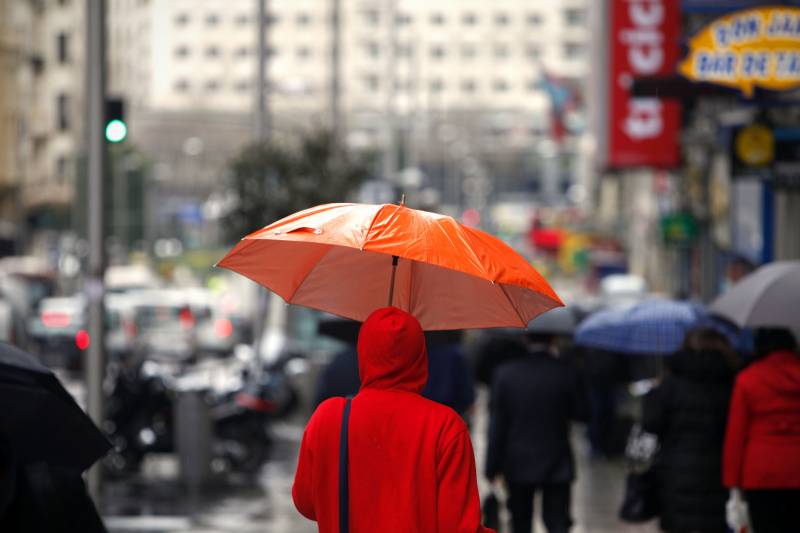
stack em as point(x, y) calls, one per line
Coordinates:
point(155, 502)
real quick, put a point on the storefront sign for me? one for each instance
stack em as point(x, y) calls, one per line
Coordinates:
point(644, 43)
point(755, 47)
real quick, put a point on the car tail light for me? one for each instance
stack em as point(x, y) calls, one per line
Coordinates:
point(82, 340)
point(187, 318)
point(255, 403)
point(223, 328)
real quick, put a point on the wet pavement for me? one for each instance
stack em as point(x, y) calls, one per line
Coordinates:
point(154, 501)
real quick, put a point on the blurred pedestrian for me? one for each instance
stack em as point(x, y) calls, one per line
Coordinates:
point(411, 464)
point(449, 379)
point(603, 372)
point(533, 400)
point(340, 376)
point(762, 442)
point(688, 411)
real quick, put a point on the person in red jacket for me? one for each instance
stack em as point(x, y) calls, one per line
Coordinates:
point(411, 463)
point(762, 439)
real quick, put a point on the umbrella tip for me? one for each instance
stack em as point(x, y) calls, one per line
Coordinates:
point(403, 199)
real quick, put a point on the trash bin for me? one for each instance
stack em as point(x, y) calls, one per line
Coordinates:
point(193, 438)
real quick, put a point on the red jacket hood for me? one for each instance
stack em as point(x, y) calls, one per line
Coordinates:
point(391, 352)
point(782, 371)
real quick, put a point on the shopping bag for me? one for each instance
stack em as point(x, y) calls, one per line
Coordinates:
point(736, 513)
point(641, 497)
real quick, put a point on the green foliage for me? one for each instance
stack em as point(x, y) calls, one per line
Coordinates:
point(275, 180)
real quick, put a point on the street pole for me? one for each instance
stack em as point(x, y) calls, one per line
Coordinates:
point(96, 153)
point(390, 150)
point(337, 127)
point(262, 132)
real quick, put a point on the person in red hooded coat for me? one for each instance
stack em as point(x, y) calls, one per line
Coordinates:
point(411, 463)
point(762, 439)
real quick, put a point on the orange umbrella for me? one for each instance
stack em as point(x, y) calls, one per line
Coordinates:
point(346, 259)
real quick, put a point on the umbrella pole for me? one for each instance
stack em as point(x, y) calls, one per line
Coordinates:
point(391, 283)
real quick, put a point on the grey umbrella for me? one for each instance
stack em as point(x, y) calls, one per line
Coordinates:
point(769, 297)
point(558, 321)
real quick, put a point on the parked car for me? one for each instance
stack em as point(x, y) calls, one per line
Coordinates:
point(58, 330)
point(165, 326)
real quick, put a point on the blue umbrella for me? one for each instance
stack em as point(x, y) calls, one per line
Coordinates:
point(653, 327)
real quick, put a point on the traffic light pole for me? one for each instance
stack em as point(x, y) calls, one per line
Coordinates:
point(96, 154)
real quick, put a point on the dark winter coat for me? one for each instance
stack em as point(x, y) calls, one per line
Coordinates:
point(688, 412)
point(534, 399)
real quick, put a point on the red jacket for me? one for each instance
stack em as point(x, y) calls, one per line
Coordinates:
point(411, 464)
point(762, 441)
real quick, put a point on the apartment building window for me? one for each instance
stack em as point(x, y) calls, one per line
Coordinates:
point(182, 52)
point(212, 85)
point(371, 16)
point(469, 51)
point(62, 112)
point(182, 19)
point(271, 19)
point(533, 85)
point(303, 52)
point(63, 2)
point(405, 50)
point(501, 19)
point(469, 19)
point(212, 51)
point(573, 50)
point(241, 52)
point(62, 46)
point(303, 19)
point(62, 168)
point(182, 85)
point(533, 51)
point(404, 19)
point(436, 85)
point(437, 51)
point(574, 17)
point(437, 19)
point(468, 86)
point(372, 49)
point(534, 19)
point(242, 19)
point(501, 51)
point(371, 83)
point(500, 86)
point(242, 86)
point(212, 19)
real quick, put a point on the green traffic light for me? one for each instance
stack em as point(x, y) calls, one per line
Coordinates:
point(116, 131)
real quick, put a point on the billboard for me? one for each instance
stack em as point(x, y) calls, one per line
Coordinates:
point(642, 131)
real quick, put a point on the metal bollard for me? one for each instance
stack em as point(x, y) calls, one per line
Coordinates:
point(193, 438)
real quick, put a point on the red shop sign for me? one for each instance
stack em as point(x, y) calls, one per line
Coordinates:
point(644, 42)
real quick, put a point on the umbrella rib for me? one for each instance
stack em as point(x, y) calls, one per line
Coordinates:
point(369, 229)
point(522, 321)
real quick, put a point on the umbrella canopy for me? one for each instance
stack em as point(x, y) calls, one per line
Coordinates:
point(768, 297)
point(339, 258)
point(40, 419)
point(653, 327)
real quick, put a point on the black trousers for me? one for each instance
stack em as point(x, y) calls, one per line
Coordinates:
point(555, 506)
point(773, 510)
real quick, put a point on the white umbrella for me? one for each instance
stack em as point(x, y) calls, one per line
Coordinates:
point(769, 297)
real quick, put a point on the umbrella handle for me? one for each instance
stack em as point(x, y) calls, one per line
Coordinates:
point(391, 283)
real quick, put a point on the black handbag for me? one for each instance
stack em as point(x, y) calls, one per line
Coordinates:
point(344, 478)
point(641, 497)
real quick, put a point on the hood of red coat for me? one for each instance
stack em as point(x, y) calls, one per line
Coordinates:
point(391, 352)
point(782, 371)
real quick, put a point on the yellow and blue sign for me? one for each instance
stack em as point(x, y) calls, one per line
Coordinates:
point(755, 47)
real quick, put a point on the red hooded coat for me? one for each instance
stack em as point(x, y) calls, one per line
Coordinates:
point(762, 441)
point(411, 464)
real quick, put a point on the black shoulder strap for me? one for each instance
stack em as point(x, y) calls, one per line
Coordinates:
point(344, 485)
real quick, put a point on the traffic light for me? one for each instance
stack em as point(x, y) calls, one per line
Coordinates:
point(116, 128)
